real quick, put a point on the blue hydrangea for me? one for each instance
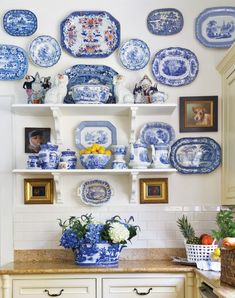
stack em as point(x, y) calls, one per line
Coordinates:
point(69, 239)
point(93, 234)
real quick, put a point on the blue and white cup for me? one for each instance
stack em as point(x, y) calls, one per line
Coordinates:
point(68, 160)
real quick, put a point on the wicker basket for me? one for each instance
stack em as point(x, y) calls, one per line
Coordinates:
point(228, 266)
point(199, 252)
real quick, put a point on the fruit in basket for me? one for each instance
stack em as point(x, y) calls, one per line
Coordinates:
point(187, 230)
point(215, 256)
point(95, 149)
point(206, 239)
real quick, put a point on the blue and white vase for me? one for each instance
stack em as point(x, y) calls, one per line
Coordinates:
point(49, 156)
point(33, 161)
point(68, 159)
point(119, 152)
point(98, 255)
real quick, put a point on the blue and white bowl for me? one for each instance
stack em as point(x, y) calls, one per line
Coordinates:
point(119, 165)
point(94, 161)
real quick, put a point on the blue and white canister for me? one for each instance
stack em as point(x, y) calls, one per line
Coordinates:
point(49, 156)
point(33, 161)
point(68, 160)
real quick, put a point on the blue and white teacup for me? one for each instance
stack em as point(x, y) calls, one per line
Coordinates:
point(68, 160)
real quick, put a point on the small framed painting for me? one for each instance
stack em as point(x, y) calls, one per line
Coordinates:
point(38, 191)
point(34, 137)
point(153, 190)
point(198, 113)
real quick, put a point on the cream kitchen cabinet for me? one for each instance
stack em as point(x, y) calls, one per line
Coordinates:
point(227, 71)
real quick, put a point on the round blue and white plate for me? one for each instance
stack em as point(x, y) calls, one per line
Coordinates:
point(95, 192)
point(45, 51)
point(134, 54)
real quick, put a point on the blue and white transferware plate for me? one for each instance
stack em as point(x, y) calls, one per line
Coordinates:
point(13, 62)
point(99, 132)
point(175, 66)
point(155, 133)
point(195, 155)
point(91, 34)
point(95, 192)
point(134, 54)
point(215, 27)
point(45, 51)
point(165, 21)
point(19, 22)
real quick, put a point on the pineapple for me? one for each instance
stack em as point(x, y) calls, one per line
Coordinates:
point(188, 231)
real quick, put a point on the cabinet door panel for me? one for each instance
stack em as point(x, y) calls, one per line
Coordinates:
point(172, 287)
point(64, 288)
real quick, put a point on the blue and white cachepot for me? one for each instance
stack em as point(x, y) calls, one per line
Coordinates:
point(119, 152)
point(68, 159)
point(49, 156)
point(33, 161)
point(160, 156)
point(98, 255)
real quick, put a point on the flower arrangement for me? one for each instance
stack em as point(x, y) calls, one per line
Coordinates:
point(85, 229)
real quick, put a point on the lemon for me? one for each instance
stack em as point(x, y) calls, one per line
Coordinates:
point(217, 252)
point(108, 152)
point(101, 151)
point(82, 151)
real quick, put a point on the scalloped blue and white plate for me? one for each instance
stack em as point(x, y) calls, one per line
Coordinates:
point(95, 192)
point(165, 21)
point(175, 66)
point(45, 51)
point(155, 133)
point(20, 22)
point(215, 27)
point(134, 54)
point(100, 132)
point(195, 155)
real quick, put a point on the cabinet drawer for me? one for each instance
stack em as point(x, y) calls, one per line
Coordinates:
point(64, 288)
point(159, 287)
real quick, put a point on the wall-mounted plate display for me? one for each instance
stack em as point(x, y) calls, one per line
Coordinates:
point(175, 66)
point(19, 22)
point(155, 133)
point(165, 21)
point(13, 62)
point(45, 51)
point(134, 54)
point(91, 34)
point(99, 132)
point(215, 27)
point(95, 192)
point(195, 155)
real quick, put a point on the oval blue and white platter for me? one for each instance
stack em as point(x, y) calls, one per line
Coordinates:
point(13, 62)
point(95, 192)
point(155, 133)
point(215, 27)
point(134, 54)
point(99, 132)
point(195, 155)
point(19, 22)
point(45, 51)
point(165, 21)
point(175, 66)
point(91, 34)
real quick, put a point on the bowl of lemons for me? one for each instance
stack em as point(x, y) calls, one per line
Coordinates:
point(95, 157)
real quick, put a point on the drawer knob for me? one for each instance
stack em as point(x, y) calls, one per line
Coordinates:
point(143, 293)
point(54, 295)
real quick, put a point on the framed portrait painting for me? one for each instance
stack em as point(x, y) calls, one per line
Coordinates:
point(198, 113)
point(38, 191)
point(153, 190)
point(34, 137)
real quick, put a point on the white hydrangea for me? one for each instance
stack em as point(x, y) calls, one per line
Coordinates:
point(118, 232)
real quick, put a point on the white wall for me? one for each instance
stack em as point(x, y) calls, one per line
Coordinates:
point(196, 195)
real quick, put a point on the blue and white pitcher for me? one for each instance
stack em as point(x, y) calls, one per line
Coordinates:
point(160, 156)
point(49, 156)
point(139, 155)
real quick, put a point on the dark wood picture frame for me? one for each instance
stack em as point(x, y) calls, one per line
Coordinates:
point(38, 191)
point(43, 135)
point(198, 113)
point(154, 190)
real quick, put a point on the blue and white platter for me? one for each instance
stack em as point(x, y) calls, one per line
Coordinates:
point(165, 21)
point(195, 155)
point(134, 54)
point(19, 22)
point(13, 62)
point(95, 192)
point(215, 27)
point(90, 34)
point(155, 133)
point(99, 132)
point(45, 51)
point(175, 66)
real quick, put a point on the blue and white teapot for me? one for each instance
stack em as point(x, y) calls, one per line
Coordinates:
point(139, 155)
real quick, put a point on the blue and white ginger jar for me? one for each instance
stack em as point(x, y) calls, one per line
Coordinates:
point(68, 159)
point(49, 156)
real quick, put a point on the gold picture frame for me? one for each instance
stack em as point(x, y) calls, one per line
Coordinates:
point(38, 191)
point(154, 191)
